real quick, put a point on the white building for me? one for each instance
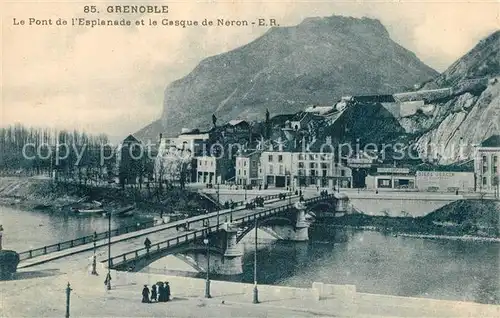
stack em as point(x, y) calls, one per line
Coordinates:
point(297, 169)
point(486, 165)
point(194, 142)
point(206, 170)
point(391, 178)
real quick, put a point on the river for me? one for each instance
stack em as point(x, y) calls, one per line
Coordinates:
point(374, 262)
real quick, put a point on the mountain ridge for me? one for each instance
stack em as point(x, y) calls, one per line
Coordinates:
point(287, 68)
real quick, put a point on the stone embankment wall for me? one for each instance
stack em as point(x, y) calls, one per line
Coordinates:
point(343, 300)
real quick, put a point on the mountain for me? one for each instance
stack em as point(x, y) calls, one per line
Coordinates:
point(471, 113)
point(482, 61)
point(315, 62)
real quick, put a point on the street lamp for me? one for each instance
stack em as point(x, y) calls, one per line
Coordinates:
point(207, 281)
point(108, 277)
point(218, 205)
point(245, 186)
point(255, 290)
point(94, 259)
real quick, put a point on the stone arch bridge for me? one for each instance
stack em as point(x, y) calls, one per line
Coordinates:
point(287, 222)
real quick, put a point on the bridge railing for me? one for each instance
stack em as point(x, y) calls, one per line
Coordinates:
point(199, 233)
point(82, 240)
point(266, 198)
point(102, 235)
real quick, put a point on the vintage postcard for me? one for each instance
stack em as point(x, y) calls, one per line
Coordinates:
point(261, 158)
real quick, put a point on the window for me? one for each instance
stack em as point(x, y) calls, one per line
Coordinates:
point(270, 158)
point(485, 164)
point(199, 163)
point(244, 163)
point(312, 165)
point(313, 173)
point(270, 169)
point(342, 173)
point(485, 181)
point(280, 158)
point(301, 165)
point(205, 162)
point(301, 157)
point(244, 172)
point(494, 165)
point(325, 173)
point(324, 165)
point(239, 172)
point(281, 169)
point(212, 163)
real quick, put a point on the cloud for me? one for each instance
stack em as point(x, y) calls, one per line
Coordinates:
point(111, 79)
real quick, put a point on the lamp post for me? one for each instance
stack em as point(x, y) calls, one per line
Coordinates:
point(245, 186)
point(207, 281)
point(108, 277)
point(218, 205)
point(94, 259)
point(68, 292)
point(255, 290)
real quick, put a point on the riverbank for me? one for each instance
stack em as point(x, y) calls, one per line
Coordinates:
point(463, 218)
point(44, 194)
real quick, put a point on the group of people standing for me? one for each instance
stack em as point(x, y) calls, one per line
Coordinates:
point(160, 292)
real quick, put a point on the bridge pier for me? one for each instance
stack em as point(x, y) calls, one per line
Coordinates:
point(297, 230)
point(232, 263)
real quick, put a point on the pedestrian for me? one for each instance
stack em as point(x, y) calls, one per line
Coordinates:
point(161, 292)
point(167, 291)
point(147, 244)
point(154, 293)
point(145, 294)
point(107, 280)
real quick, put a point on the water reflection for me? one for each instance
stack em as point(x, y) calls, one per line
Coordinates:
point(24, 230)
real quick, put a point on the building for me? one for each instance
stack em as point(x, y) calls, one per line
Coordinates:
point(207, 171)
point(391, 178)
point(445, 181)
point(195, 141)
point(302, 169)
point(129, 160)
point(247, 168)
point(486, 165)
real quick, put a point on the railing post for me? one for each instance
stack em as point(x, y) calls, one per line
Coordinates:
point(31, 254)
point(45, 250)
point(71, 243)
point(58, 246)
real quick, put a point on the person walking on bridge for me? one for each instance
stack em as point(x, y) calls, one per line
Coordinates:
point(147, 244)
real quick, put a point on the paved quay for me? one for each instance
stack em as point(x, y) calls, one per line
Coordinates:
point(42, 294)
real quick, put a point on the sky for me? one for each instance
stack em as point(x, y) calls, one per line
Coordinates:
point(111, 79)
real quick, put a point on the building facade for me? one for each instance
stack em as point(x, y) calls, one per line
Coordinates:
point(247, 168)
point(206, 170)
point(486, 165)
point(302, 169)
point(391, 178)
point(445, 181)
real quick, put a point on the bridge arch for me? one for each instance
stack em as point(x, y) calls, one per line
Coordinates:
point(145, 260)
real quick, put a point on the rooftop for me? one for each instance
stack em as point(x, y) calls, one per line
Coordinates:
point(492, 141)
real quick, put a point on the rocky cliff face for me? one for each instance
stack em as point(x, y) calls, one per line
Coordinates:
point(315, 62)
point(472, 112)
